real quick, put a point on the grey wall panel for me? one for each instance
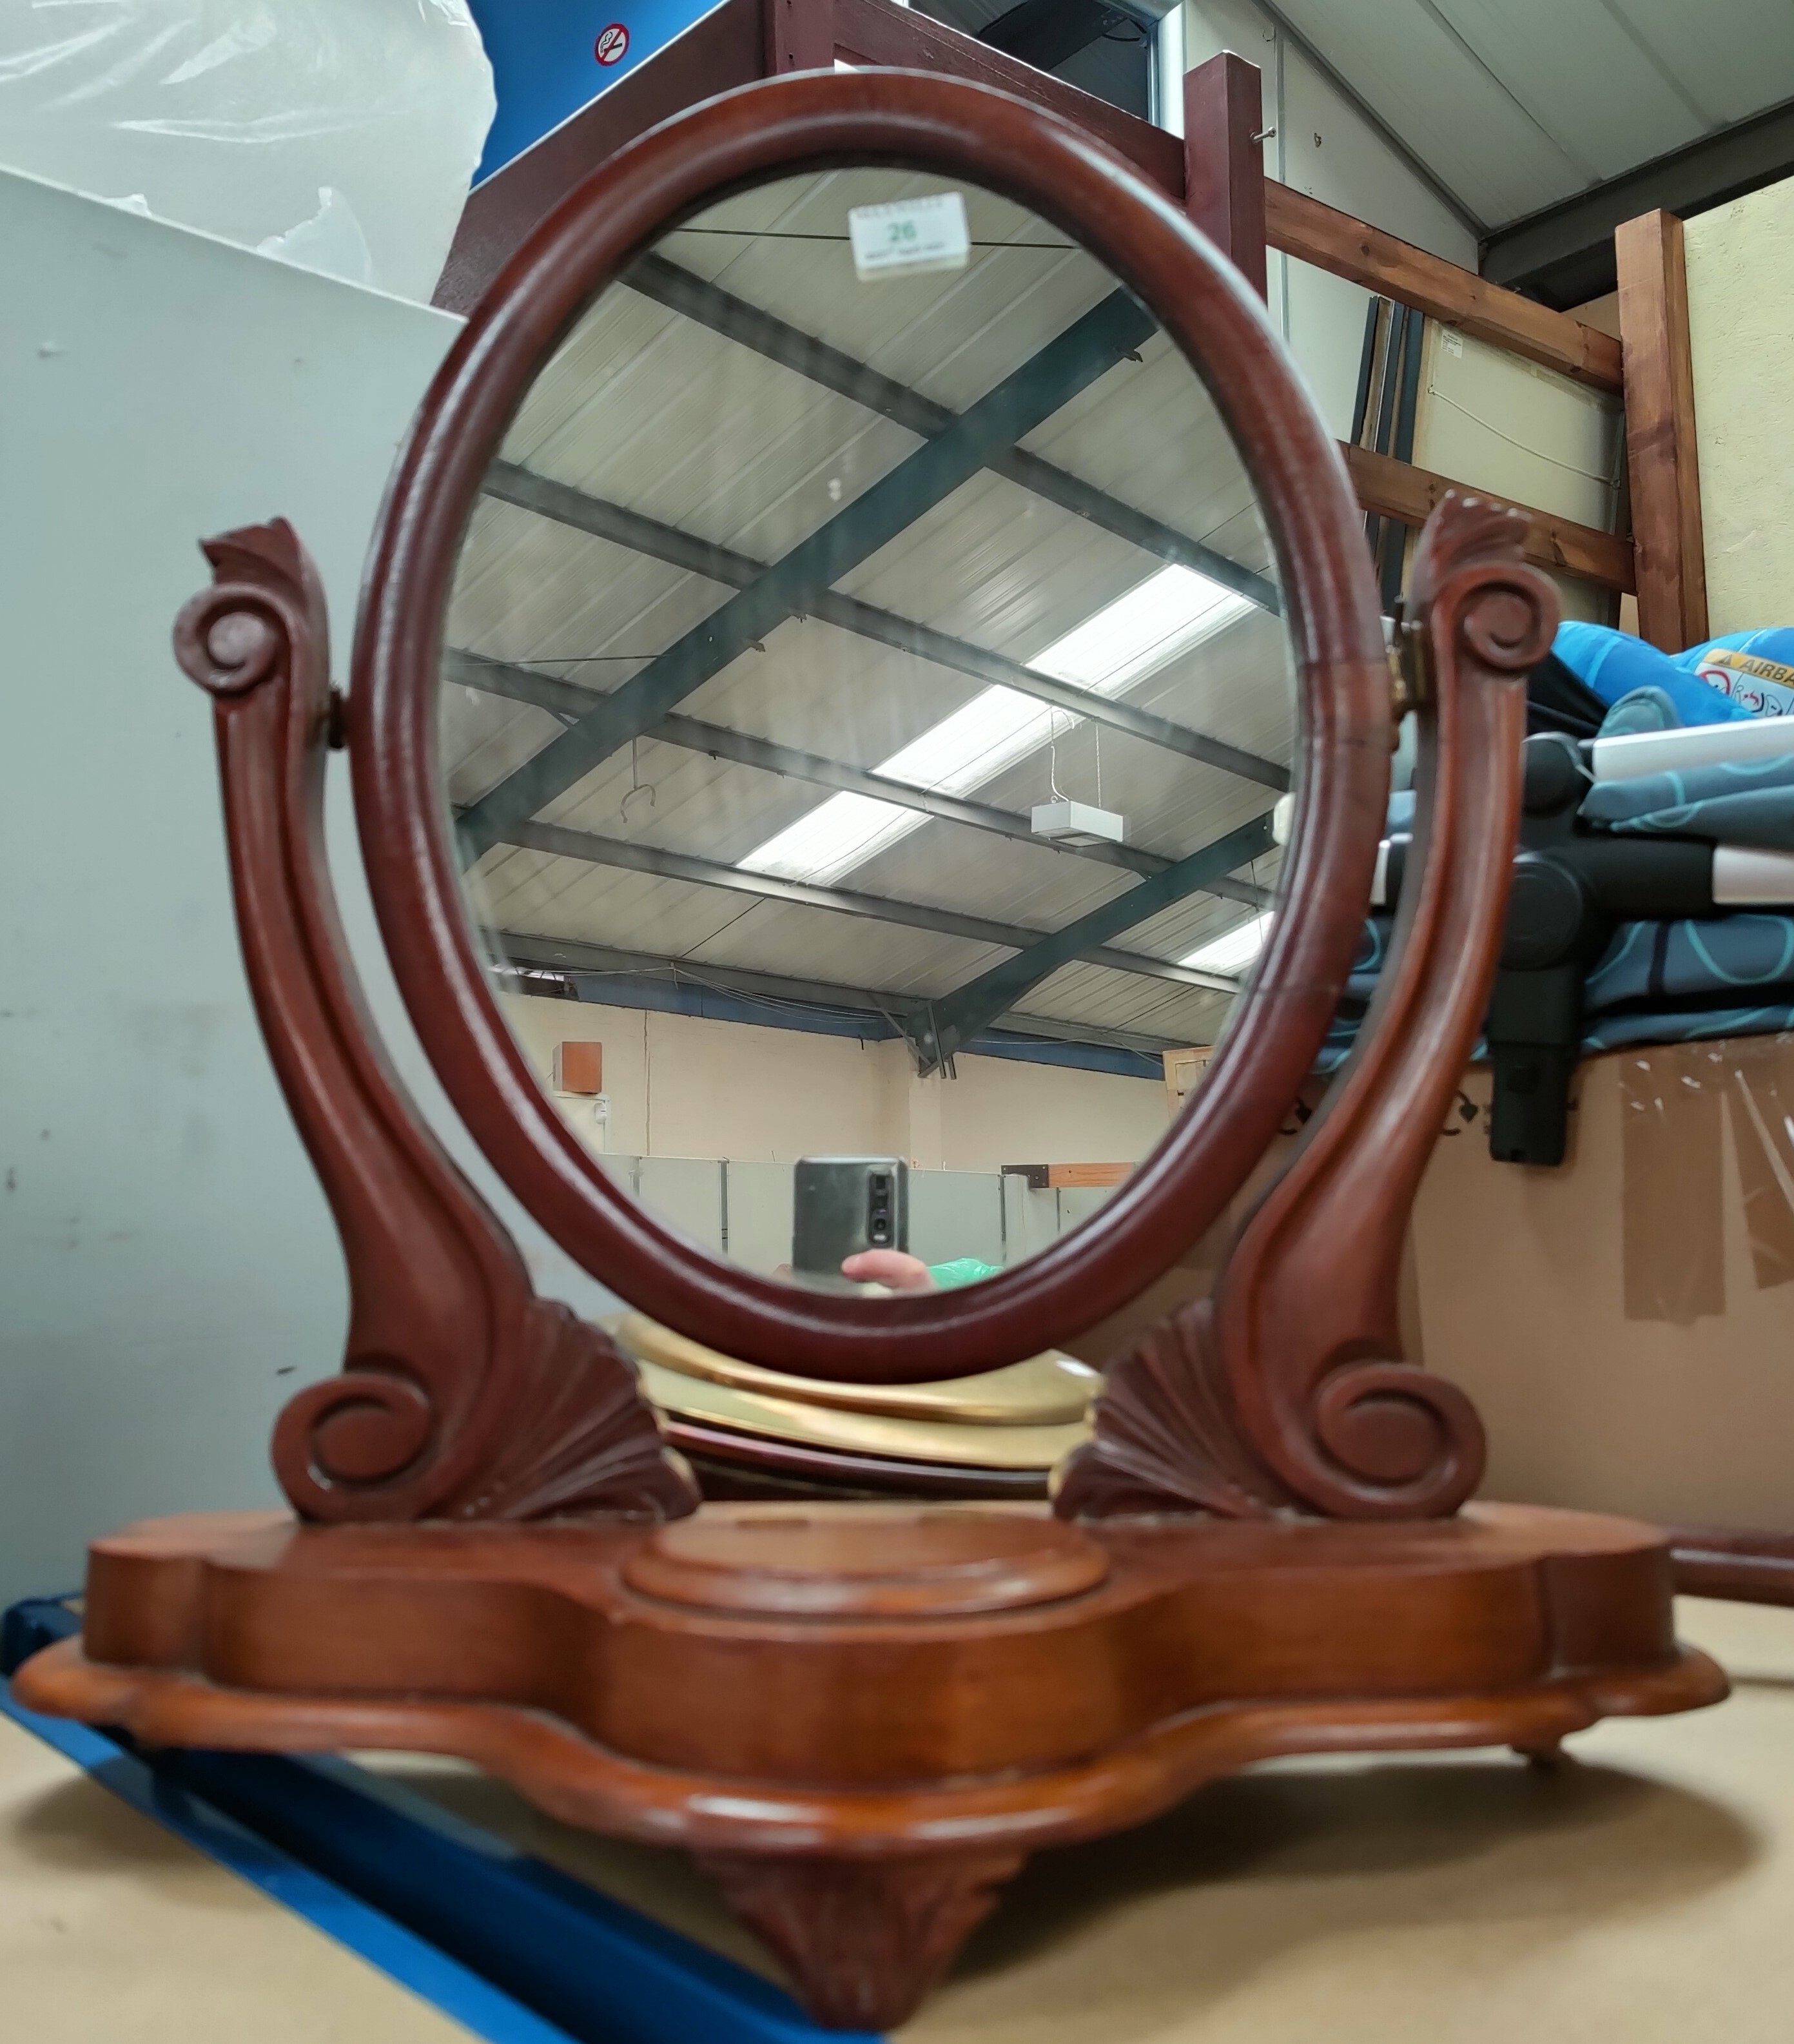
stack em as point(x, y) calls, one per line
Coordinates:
point(956, 1213)
point(169, 1273)
point(759, 1215)
point(686, 1192)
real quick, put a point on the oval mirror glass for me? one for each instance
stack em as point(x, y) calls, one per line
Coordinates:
point(864, 701)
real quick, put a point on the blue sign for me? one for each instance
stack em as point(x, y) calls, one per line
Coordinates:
point(551, 57)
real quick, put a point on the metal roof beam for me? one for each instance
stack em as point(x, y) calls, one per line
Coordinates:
point(1086, 349)
point(668, 284)
point(568, 700)
point(1563, 254)
point(641, 534)
point(585, 961)
point(560, 842)
point(971, 1008)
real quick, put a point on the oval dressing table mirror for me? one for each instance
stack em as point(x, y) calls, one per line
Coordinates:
point(891, 794)
point(835, 637)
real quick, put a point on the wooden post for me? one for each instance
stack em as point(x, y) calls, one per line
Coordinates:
point(1223, 160)
point(800, 36)
point(1660, 438)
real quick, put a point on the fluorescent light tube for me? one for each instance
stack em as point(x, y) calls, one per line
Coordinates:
point(1234, 950)
point(1160, 618)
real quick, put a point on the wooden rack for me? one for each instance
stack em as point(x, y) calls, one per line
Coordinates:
point(1216, 172)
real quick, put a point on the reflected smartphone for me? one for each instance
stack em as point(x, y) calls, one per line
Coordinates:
point(841, 1205)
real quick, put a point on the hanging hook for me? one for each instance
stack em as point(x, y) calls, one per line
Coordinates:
point(636, 786)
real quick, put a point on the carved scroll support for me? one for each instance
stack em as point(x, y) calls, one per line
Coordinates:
point(1287, 1390)
point(864, 1940)
point(462, 1395)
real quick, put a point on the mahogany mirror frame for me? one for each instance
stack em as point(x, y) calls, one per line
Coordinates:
point(926, 122)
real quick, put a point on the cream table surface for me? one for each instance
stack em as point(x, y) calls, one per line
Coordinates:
point(113, 1930)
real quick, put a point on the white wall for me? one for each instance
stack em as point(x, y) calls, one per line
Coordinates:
point(1526, 434)
point(680, 1085)
point(1740, 328)
point(168, 1270)
point(1324, 147)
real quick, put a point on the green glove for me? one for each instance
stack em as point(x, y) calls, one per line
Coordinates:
point(962, 1270)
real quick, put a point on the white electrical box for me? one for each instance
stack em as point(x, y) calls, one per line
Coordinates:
point(1076, 823)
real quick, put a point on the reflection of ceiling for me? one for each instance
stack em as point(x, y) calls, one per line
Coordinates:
point(1019, 450)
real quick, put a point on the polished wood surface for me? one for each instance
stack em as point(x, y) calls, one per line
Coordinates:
point(1224, 161)
point(800, 36)
point(1398, 489)
point(1742, 1565)
point(865, 1562)
point(799, 1741)
point(867, 1938)
point(1318, 233)
point(1662, 455)
point(1047, 1178)
point(462, 1395)
point(863, 1717)
point(1287, 1389)
point(944, 126)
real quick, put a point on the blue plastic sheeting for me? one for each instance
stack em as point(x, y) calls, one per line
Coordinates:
point(1613, 664)
point(546, 63)
point(410, 1886)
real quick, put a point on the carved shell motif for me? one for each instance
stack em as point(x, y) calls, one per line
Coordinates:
point(1287, 1392)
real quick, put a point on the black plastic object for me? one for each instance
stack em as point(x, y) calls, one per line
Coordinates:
point(1570, 888)
point(841, 1205)
point(1557, 699)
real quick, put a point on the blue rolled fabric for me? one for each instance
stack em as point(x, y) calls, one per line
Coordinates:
point(1670, 962)
point(1670, 981)
point(1745, 802)
point(1612, 664)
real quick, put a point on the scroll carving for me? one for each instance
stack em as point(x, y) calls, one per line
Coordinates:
point(864, 1940)
point(1288, 1391)
point(462, 1395)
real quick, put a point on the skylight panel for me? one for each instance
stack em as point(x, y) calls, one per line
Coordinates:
point(1234, 950)
point(1162, 617)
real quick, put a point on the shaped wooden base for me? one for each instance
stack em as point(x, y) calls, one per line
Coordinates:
point(864, 1718)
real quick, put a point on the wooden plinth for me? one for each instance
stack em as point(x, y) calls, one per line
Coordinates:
point(886, 1706)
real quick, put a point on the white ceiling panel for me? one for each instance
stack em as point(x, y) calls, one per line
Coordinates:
point(1733, 58)
point(1515, 105)
point(1546, 52)
point(1428, 87)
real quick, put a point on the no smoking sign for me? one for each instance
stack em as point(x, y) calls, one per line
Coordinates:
point(613, 44)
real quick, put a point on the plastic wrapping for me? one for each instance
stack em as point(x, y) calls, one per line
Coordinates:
point(340, 134)
point(1673, 1193)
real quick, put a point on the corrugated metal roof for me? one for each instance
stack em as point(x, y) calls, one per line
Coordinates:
point(660, 413)
point(1515, 105)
